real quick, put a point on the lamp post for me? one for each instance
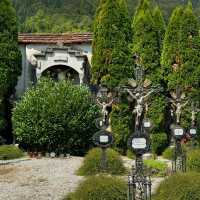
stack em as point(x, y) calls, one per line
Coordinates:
point(103, 138)
point(139, 183)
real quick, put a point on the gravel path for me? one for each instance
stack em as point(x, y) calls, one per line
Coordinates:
point(42, 179)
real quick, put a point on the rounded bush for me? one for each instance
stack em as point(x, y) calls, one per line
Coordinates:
point(54, 116)
point(100, 188)
point(92, 163)
point(179, 187)
point(9, 152)
point(193, 160)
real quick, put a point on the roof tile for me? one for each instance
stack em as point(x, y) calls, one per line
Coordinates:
point(50, 38)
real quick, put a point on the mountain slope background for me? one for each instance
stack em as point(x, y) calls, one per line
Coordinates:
point(73, 15)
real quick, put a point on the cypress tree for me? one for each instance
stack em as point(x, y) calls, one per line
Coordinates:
point(181, 49)
point(159, 26)
point(148, 32)
point(125, 20)
point(10, 62)
point(147, 38)
point(181, 56)
point(111, 55)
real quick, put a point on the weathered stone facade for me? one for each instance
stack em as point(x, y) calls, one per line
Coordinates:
point(62, 55)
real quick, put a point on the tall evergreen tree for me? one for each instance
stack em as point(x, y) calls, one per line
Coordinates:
point(147, 37)
point(181, 50)
point(181, 56)
point(148, 32)
point(125, 20)
point(159, 26)
point(111, 55)
point(10, 62)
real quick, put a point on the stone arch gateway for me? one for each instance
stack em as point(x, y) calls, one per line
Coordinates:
point(47, 52)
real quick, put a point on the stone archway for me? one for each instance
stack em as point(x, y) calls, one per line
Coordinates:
point(71, 59)
point(62, 72)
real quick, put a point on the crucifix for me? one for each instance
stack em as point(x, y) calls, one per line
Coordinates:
point(178, 102)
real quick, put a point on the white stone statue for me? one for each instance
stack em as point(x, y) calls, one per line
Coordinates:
point(178, 107)
point(104, 110)
point(140, 102)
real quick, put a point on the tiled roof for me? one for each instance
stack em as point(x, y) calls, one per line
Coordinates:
point(49, 38)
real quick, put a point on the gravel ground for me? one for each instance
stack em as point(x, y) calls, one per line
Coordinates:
point(42, 179)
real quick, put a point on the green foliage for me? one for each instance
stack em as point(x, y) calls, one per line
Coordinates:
point(179, 187)
point(55, 115)
point(100, 188)
point(73, 12)
point(9, 152)
point(55, 23)
point(158, 142)
point(10, 62)
point(130, 154)
point(120, 123)
point(156, 167)
point(92, 163)
point(180, 56)
point(148, 29)
point(156, 111)
point(168, 153)
point(148, 32)
point(111, 62)
point(193, 160)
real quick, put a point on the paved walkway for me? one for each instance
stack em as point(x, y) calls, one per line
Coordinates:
point(45, 179)
point(42, 179)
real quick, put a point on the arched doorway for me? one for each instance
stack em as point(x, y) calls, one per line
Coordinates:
point(62, 72)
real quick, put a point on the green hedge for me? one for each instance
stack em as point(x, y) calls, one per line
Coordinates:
point(179, 187)
point(100, 188)
point(92, 163)
point(8, 152)
point(193, 160)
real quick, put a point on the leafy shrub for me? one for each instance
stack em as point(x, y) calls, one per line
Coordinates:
point(8, 152)
point(179, 187)
point(168, 153)
point(120, 123)
point(156, 167)
point(100, 188)
point(55, 115)
point(92, 163)
point(158, 142)
point(193, 160)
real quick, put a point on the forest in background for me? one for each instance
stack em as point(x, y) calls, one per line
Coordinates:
point(58, 16)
